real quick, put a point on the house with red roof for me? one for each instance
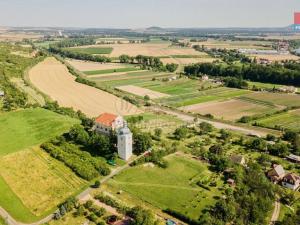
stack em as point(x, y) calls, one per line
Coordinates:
point(108, 122)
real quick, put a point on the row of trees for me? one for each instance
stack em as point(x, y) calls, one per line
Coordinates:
point(81, 162)
point(73, 42)
point(274, 73)
point(148, 62)
point(77, 55)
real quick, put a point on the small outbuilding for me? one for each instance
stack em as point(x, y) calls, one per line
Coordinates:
point(238, 159)
point(2, 93)
point(293, 158)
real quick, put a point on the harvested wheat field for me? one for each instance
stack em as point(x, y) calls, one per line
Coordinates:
point(18, 36)
point(276, 57)
point(53, 78)
point(149, 49)
point(90, 66)
point(139, 91)
point(186, 61)
point(229, 110)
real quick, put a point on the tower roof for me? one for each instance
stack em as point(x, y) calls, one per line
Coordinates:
point(124, 130)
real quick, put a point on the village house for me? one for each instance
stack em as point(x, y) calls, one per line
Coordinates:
point(288, 89)
point(276, 173)
point(107, 123)
point(238, 159)
point(205, 78)
point(291, 181)
point(263, 61)
point(293, 158)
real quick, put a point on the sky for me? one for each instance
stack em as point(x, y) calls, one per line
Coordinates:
point(146, 13)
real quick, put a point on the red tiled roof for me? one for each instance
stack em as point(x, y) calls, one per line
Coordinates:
point(106, 119)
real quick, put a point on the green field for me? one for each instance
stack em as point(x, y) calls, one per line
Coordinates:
point(29, 127)
point(183, 91)
point(133, 78)
point(172, 188)
point(287, 120)
point(26, 199)
point(91, 50)
point(118, 70)
point(214, 94)
point(287, 100)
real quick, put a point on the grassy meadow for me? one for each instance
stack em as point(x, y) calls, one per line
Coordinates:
point(31, 182)
point(25, 128)
point(161, 187)
point(50, 183)
point(92, 50)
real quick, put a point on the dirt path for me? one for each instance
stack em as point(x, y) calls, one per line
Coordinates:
point(189, 118)
point(158, 185)
point(276, 213)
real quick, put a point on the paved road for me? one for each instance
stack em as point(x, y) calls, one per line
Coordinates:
point(276, 213)
point(83, 195)
point(190, 118)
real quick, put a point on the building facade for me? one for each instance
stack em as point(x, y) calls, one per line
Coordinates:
point(106, 123)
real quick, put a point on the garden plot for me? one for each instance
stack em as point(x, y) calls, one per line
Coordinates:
point(229, 110)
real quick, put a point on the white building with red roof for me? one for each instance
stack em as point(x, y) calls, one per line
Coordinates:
point(108, 122)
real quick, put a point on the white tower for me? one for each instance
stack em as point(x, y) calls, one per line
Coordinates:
point(124, 142)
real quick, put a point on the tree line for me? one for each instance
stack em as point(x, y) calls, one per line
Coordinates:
point(77, 55)
point(288, 74)
point(148, 62)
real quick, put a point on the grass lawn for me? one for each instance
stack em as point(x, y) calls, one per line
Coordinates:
point(172, 188)
point(91, 50)
point(108, 71)
point(32, 184)
point(29, 127)
point(13, 204)
point(2, 222)
point(288, 120)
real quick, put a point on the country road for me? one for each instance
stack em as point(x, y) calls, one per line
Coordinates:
point(276, 213)
point(190, 118)
point(83, 195)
